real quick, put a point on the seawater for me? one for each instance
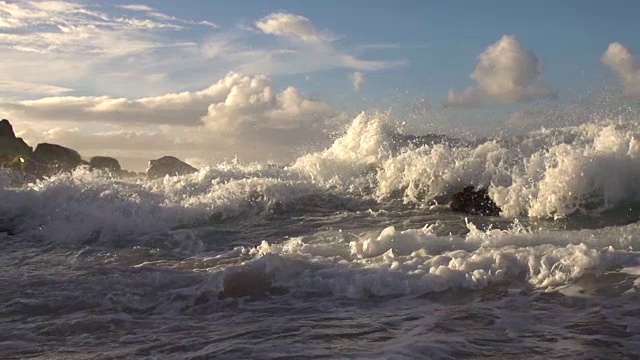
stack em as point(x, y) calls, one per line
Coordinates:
point(350, 252)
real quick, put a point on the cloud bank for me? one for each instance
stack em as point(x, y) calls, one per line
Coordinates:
point(234, 116)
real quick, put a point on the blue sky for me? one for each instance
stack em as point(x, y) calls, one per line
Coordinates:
point(102, 73)
point(441, 39)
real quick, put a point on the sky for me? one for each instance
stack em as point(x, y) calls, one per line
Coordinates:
point(270, 80)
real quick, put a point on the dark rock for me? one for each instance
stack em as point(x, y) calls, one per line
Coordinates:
point(56, 157)
point(241, 284)
point(10, 145)
point(6, 130)
point(105, 163)
point(474, 202)
point(250, 284)
point(168, 165)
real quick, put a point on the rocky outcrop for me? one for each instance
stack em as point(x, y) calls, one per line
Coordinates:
point(474, 202)
point(55, 157)
point(105, 163)
point(10, 145)
point(168, 165)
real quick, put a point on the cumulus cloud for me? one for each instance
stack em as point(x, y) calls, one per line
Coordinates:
point(235, 116)
point(505, 73)
point(233, 102)
point(251, 105)
point(291, 25)
point(622, 63)
point(357, 79)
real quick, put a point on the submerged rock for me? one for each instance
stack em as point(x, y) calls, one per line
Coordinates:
point(11, 146)
point(105, 163)
point(250, 284)
point(241, 284)
point(474, 202)
point(168, 165)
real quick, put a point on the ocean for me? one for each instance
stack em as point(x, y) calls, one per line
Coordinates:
point(349, 253)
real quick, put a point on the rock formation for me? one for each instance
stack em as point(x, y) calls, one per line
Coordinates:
point(474, 202)
point(105, 163)
point(10, 145)
point(56, 157)
point(168, 165)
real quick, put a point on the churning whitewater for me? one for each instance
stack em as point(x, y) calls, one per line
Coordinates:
point(348, 252)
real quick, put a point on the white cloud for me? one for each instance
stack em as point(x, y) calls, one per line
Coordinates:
point(153, 13)
point(7, 86)
point(357, 79)
point(233, 100)
point(136, 7)
point(76, 45)
point(621, 61)
point(291, 25)
point(251, 104)
point(232, 50)
point(133, 49)
point(64, 27)
point(238, 115)
point(307, 49)
point(353, 62)
point(505, 73)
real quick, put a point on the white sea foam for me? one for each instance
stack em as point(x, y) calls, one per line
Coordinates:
point(417, 261)
point(89, 206)
point(349, 161)
point(592, 168)
point(547, 174)
point(550, 173)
